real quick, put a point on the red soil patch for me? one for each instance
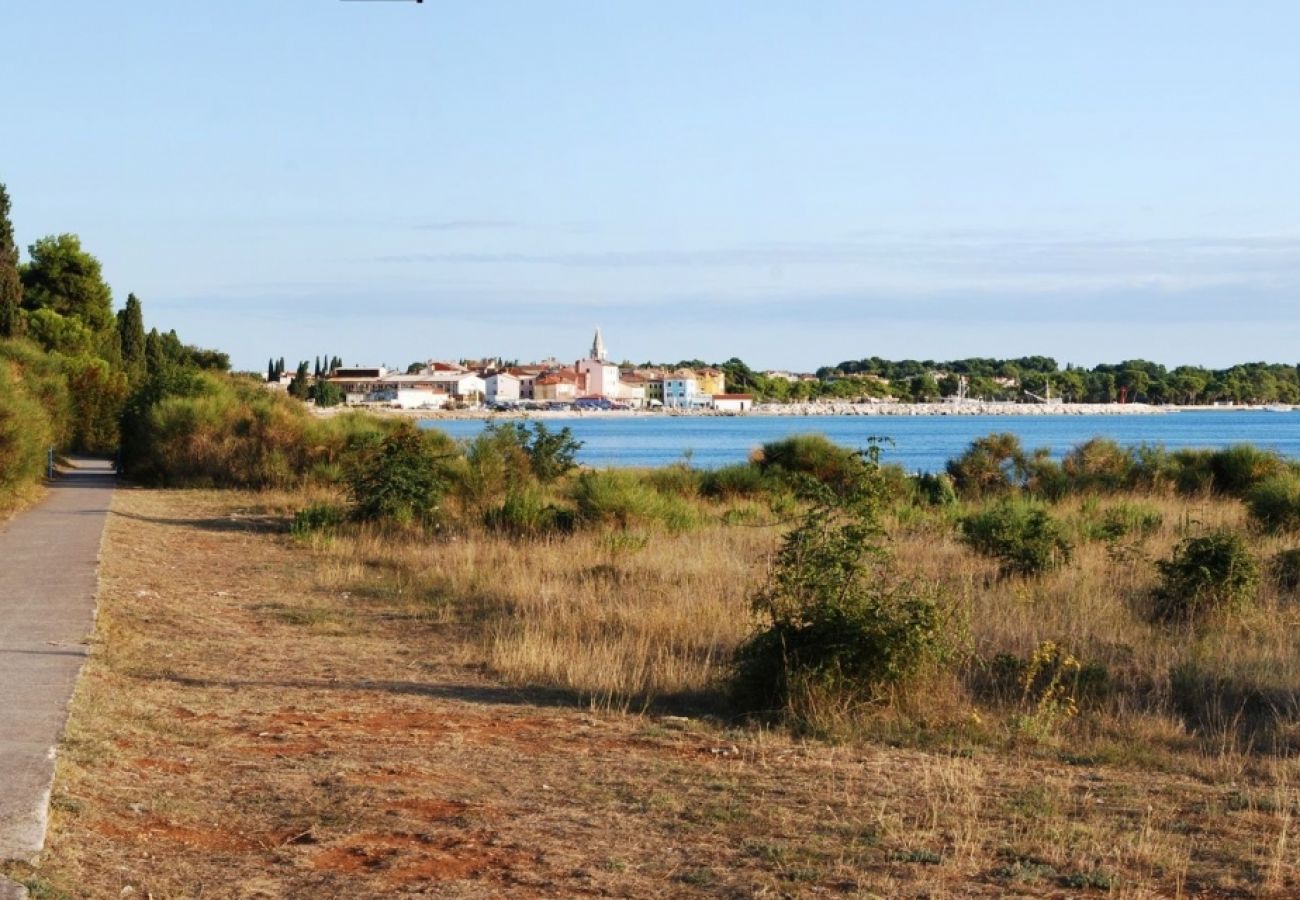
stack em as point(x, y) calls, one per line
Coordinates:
point(170, 766)
point(431, 809)
point(414, 858)
point(199, 838)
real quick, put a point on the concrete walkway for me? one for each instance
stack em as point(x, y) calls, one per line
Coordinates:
point(48, 560)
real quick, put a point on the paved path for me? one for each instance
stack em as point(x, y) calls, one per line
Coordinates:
point(48, 560)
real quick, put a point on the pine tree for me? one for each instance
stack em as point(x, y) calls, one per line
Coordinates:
point(270, 370)
point(11, 287)
point(279, 367)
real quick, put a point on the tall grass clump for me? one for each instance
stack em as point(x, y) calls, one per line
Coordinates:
point(1237, 469)
point(1274, 503)
point(1098, 465)
point(736, 482)
point(837, 631)
point(1207, 576)
point(624, 499)
point(1021, 534)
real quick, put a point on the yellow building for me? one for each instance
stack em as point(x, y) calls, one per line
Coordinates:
point(712, 381)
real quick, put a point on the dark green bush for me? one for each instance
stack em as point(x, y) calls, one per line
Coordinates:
point(399, 479)
point(742, 480)
point(832, 620)
point(526, 513)
point(993, 464)
point(678, 478)
point(319, 518)
point(1275, 503)
point(1207, 575)
point(935, 490)
point(1021, 535)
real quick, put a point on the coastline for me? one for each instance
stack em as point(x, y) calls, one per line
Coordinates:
point(800, 410)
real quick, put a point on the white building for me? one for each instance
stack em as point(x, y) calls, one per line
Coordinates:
point(733, 402)
point(502, 387)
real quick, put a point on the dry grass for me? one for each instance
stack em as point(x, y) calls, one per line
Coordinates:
point(373, 716)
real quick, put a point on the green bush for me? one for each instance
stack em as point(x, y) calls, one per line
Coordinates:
point(399, 479)
point(1275, 503)
point(734, 482)
point(812, 455)
point(627, 499)
point(1239, 468)
point(526, 513)
point(678, 478)
point(1098, 465)
point(833, 624)
point(1022, 535)
point(1285, 570)
point(936, 490)
point(1124, 519)
point(993, 464)
point(25, 436)
point(1207, 575)
point(319, 518)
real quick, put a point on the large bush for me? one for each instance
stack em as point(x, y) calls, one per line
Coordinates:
point(1207, 575)
point(1098, 465)
point(811, 455)
point(833, 621)
point(993, 464)
point(398, 479)
point(1275, 503)
point(1021, 535)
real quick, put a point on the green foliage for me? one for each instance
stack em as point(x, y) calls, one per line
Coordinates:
point(624, 499)
point(398, 479)
point(678, 478)
point(131, 336)
point(1098, 465)
point(1124, 519)
point(994, 464)
point(936, 490)
point(1275, 503)
point(327, 394)
point(552, 454)
point(742, 480)
point(11, 286)
point(525, 512)
point(811, 455)
point(98, 394)
point(1020, 534)
point(833, 621)
point(1284, 569)
point(1207, 575)
point(63, 278)
point(1239, 468)
point(319, 518)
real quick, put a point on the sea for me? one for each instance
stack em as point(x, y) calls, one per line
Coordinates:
point(918, 443)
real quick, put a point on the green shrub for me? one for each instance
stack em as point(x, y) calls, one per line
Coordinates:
point(935, 490)
point(1022, 535)
point(25, 436)
point(319, 518)
point(399, 479)
point(626, 499)
point(1207, 575)
point(1239, 468)
point(1124, 519)
point(678, 479)
point(1285, 570)
point(993, 464)
point(1275, 503)
point(833, 624)
point(734, 482)
point(526, 513)
point(1098, 465)
point(812, 455)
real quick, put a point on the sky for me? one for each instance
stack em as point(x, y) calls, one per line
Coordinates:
point(793, 183)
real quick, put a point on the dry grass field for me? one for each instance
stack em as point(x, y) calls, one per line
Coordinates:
point(370, 715)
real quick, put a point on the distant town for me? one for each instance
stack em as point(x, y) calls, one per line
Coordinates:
point(974, 385)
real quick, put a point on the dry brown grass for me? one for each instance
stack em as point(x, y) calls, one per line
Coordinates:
point(374, 716)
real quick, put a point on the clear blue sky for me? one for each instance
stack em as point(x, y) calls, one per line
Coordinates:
point(794, 183)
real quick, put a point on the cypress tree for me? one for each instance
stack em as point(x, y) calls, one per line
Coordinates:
point(130, 332)
point(11, 286)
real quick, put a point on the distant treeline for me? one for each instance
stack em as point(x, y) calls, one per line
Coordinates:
point(1131, 381)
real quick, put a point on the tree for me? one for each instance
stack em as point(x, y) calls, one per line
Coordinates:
point(270, 370)
point(298, 387)
point(65, 279)
point(11, 286)
point(130, 331)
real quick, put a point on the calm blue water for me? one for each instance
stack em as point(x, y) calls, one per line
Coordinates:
point(920, 442)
